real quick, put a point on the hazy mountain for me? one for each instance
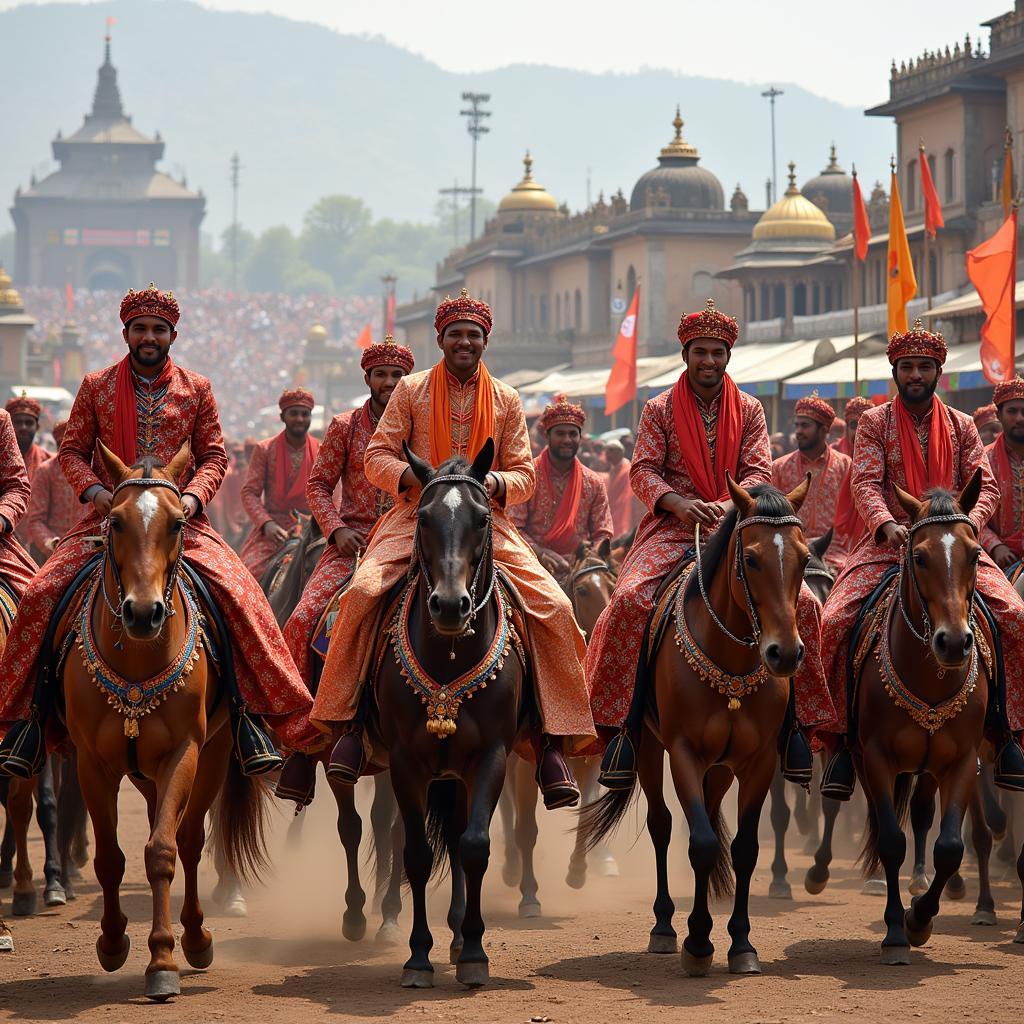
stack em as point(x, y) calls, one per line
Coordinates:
point(312, 112)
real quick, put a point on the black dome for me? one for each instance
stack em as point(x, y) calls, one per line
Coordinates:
point(832, 190)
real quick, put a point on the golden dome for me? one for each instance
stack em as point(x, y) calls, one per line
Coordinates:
point(317, 332)
point(5, 279)
point(9, 297)
point(794, 217)
point(528, 196)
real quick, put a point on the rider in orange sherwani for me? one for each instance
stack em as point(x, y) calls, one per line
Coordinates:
point(452, 410)
point(16, 568)
point(1003, 538)
point(917, 442)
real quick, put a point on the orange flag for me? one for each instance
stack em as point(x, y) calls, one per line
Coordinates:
point(932, 207)
point(621, 386)
point(902, 282)
point(861, 224)
point(365, 339)
point(992, 268)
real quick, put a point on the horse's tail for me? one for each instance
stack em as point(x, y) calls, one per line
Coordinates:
point(870, 859)
point(442, 795)
point(603, 816)
point(241, 824)
point(721, 878)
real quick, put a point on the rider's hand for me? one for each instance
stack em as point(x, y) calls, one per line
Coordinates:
point(694, 510)
point(408, 479)
point(493, 484)
point(51, 545)
point(1003, 556)
point(278, 534)
point(101, 501)
point(553, 562)
point(894, 534)
point(190, 505)
point(347, 541)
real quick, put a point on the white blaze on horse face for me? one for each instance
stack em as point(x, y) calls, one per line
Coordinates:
point(147, 505)
point(780, 544)
point(453, 500)
point(948, 540)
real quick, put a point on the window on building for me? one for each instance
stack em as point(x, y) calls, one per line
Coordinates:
point(779, 301)
point(950, 175)
point(828, 299)
point(533, 311)
point(910, 186)
point(543, 312)
point(815, 299)
point(578, 318)
point(800, 300)
point(764, 311)
point(558, 312)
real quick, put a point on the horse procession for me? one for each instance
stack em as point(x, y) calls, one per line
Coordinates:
point(423, 602)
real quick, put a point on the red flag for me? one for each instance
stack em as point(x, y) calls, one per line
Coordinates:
point(69, 298)
point(621, 387)
point(365, 339)
point(389, 316)
point(861, 224)
point(992, 269)
point(932, 207)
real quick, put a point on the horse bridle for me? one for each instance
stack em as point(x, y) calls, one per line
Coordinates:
point(907, 566)
point(741, 574)
point(601, 567)
point(476, 607)
point(108, 551)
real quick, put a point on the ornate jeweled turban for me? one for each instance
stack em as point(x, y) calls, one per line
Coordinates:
point(815, 408)
point(708, 323)
point(1008, 391)
point(150, 302)
point(917, 343)
point(463, 308)
point(387, 353)
point(296, 396)
point(856, 407)
point(562, 411)
point(23, 405)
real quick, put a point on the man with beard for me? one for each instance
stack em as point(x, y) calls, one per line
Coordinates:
point(689, 437)
point(275, 484)
point(54, 507)
point(569, 506)
point(1003, 538)
point(986, 419)
point(812, 421)
point(849, 527)
point(916, 442)
point(855, 408)
point(25, 414)
point(346, 529)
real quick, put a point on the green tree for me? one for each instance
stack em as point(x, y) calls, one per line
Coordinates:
point(272, 256)
point(328, 228)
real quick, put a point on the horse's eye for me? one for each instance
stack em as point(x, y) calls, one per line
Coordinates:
point(750, 561)
point(116, 525)
point(919, 560)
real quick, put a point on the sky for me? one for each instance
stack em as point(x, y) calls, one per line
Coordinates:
point(835, 49)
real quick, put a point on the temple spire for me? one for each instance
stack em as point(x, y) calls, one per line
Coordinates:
point(106, 103)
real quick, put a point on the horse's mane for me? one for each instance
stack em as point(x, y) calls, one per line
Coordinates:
point(941, 502)
point(147, 464)
point(455, 466)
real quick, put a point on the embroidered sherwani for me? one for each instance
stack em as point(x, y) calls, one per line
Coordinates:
point(818, 512)
point(877, 465)
point(35, 458)
point(558, 645)
point(53, 508)
point(1007, 525)
point(16, 568)
point(661, 539)
point(184, 410)
point(534, 518)
point(263, 505)
point(339, 461)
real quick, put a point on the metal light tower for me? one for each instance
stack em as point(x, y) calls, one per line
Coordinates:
point(770, 95)
point(236, 166)
point(455, 191)
point(475, 126)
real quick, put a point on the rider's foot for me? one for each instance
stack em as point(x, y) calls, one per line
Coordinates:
point(556, 782)
point(840, 776)
point(1009, 766)
point(797, 761)
point(23, 750)
point(618, 766)
point(297, 781)
point(347, 759)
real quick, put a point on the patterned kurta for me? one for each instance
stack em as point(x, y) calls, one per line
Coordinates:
point(661, 539)
point(54, 507)
point(558, 646)
point(534, 518)
point(186, 411)
point(262, 505)
point(340, 459)
point(35, 458)
point(16, 568)
point(877, 465)
point(1007, 525)
point(818, 512)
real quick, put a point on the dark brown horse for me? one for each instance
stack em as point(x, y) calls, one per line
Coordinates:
point(293, 563)
point(139, 629)
point(717, 704)
point(448, 780)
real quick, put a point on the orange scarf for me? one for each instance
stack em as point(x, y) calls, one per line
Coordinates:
point(441, 415)
point(939, 471)
point(283, 496)
point(562, 535)
point(1014, 539)
point(708, 480)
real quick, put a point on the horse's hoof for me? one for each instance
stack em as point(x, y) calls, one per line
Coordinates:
point(1019, 937)
point(113, 961)
point(662, 944)
point(162, 985)
point(6, 943)
point(609, 867)
point(576, 878)
point(417, 979)
point(388, 935)
point(816, 879)
point(895, 956)
point(529, 908)
point(744, 963)
point(874, 887)
point(780, 889)
point(917, 935)
point(199, 959)
point(55, 895)
point(510, 874)
point(455, 951)
point(473, 975)
point(956, 888)
point(984, 917)
point(6, 879)
point(353, 926)
point(919, 884)
point(697, 966)
point(23, 904)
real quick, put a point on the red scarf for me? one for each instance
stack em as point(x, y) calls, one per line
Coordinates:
point(1006, 478)
point(562, 535)
point(843, 445)
point(939, 471)
point(294, 496)
point(849, 525)
point(708, 479)
point(126, 413)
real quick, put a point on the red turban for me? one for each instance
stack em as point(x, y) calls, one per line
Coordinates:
point(150, 302)
point(463, 308)
point(562, 412)
point(984, 415)
point(708, 323)
point(23, 405)
point(815, 408)
point(387, 353)
point(917, 343)
point(1008, 391)
point(857, 406)
point(301, 397)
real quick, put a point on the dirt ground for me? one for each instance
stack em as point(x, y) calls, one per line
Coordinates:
point(583, 961)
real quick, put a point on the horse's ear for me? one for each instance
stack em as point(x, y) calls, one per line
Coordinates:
point(116, 469)
point(798, 496)
point(741, 497)
point(581, 551)
point(909, 503)
point(821, 545)
point(970, 494)
point(604, 550)
point(179, 463)
point(483, 462)
point(423, 470)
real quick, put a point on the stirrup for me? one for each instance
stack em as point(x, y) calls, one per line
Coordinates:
point(840, 777)
point(254, 748)
point(23, 750)
point(561, 791)
point(618, 766)
point(297, 781)
point(1008, 772)
point(796, 759)
point(348, 759)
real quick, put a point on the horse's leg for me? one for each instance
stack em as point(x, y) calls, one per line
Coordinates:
point(7, 847)
point(70, 812)
point(350, 832)
point(803, 811)
point(46, 817)
point(227, 893)
point(525, 796)
point(472, 969)
point(995, 817)
point(818, 873)
point(651, 772)
point(511, 870)
point(981, 837)
point(922, 814)
point(382, 817)
point(19, 810)
point(455, 826)
point(391, 903)
point(779, 887)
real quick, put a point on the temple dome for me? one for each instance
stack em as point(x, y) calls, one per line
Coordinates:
point(794, 217)
point(528, 196)
point(832, 190)
point(678, 181)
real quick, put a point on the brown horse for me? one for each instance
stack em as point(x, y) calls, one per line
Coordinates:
point(718, 714)
point(139, 628)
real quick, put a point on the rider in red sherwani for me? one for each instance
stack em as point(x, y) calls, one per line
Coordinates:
point(569, 505)
point(147, 406)
point(813, 418)
point(346, 528)
point(1003, 538)
point(16, 568)
point(275, 485)
point(25, 413)
point(667, 457)
point(54, 507)
point(916, 442)
point(621, 499)
point(986, 419)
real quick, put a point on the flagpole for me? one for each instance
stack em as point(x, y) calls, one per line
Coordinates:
point(856, 323)
point(1013, 285)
